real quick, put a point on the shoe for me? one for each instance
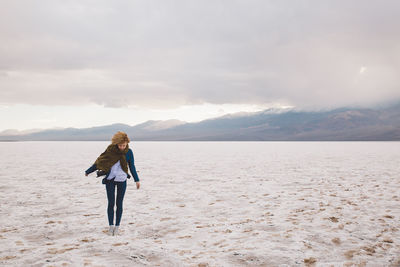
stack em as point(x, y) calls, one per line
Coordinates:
point(111, 230)
point(116, 230)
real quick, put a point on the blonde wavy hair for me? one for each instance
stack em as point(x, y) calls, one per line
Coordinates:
point(119, 138)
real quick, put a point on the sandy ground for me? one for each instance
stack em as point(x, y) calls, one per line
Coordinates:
point(204, 204)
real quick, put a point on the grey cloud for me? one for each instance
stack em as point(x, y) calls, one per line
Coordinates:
point(170, 53)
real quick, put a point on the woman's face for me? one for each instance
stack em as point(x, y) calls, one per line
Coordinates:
point(122, 146)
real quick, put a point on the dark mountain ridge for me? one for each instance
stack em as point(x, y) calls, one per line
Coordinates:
point(345, 124)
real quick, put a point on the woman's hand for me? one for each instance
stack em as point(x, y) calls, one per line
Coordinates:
point(137, 185)
point(86, 174)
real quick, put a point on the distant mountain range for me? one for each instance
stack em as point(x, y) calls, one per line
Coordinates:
point(345, 124)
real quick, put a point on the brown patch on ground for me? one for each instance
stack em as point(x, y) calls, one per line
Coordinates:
point(120, 244)
point(219, 242)
point(185, 236)
point(307, 245)
point(69, 245)
point(7, 258)
point(59, 251)
point(202, 226)
point(86, 240)
point(333, 219)
point(370, 250)
point(7, 230)
point(183, 252)
point(395, 263)
point(310, 261)
point(349, 254)
point(388, 240)
point(336, 241)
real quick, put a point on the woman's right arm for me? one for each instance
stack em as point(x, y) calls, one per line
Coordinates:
point(91, 169)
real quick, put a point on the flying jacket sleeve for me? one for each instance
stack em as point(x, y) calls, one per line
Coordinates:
point(91, 169)
point(131, 163)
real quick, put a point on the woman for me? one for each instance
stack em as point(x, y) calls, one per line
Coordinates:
point(114, 164)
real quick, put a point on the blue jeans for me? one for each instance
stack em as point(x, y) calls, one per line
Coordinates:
point(121, 188)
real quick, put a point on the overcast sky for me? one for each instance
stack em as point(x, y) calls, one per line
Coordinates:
point(86, 63)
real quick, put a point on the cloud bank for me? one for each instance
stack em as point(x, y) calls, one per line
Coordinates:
point(165, 54)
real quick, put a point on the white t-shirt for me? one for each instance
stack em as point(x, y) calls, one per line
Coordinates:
point(118, 173)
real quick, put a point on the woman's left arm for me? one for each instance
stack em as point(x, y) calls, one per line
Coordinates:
point(131, 163)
